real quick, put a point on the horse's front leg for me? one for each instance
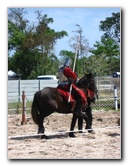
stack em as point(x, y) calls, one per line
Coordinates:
point(86, 118)
point(80, 123)
point(74, 118)
point(89, 115)
point(88, 123)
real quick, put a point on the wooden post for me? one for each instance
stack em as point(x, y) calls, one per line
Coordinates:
point(23, 122)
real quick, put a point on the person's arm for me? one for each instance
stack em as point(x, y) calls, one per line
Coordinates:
point(69, 73)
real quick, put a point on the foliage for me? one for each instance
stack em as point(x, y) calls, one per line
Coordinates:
point(106, 53)
point(24, 62)
point(111, 26)
point(83, 49)
point(64, 54)
point(32, 45)
point(104, 57)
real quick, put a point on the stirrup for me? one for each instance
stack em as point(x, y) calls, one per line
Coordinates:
point(83, 113)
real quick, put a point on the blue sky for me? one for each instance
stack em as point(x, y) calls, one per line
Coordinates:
point(67, 18)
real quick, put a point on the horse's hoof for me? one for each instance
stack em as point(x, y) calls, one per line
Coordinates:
point(72, 135)
point(40, 131)
point(91, 131)
point(44, 137)
point(80, 130)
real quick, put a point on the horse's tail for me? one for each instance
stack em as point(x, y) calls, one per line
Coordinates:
point(34, 109)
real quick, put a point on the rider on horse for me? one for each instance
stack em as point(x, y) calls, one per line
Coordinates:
point(67, 79)
point(66, 75)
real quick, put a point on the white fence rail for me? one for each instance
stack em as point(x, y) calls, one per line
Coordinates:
point(15, 88)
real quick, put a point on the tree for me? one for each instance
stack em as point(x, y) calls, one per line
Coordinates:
point(111, 26)
point(83, 48)
point(32, 44)
point(98, 65)
point(46, 39)
point(16, 28)
point(108, 49)
point(24, 63)
point(64, 54)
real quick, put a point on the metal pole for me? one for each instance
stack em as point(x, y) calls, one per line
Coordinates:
point(39, 85)
point(19, 90)
point(23, 122)
point(115, 98)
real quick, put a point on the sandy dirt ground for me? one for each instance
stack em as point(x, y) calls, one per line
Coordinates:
point(104, 144)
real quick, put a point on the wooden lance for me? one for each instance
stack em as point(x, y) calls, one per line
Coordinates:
point(76, 51)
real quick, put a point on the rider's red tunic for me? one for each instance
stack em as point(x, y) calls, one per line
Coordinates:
point(69, 73)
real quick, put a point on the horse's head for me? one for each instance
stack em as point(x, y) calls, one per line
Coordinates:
point(92, 88)
point(87, 82)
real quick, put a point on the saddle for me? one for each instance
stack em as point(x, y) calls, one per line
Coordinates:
point(64, 91)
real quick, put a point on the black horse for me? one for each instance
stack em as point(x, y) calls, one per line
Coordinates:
point(49, 100)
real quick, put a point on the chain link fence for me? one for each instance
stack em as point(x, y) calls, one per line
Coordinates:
point(106, 104)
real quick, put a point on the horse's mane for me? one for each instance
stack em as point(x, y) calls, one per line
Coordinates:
point(84, 81)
